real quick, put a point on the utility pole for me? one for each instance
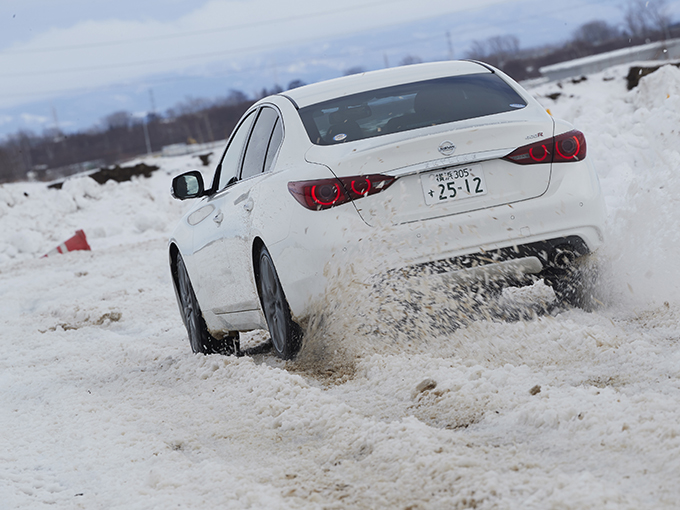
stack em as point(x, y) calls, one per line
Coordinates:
point(207, 124)
point(146, 134)
point(56, 120)
point(58, 135)
point(448, 38)
point(153, 103)
point(387, 62)
point(145, 125)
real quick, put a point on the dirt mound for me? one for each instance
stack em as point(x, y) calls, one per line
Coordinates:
point(117, 173)
point(637, 72)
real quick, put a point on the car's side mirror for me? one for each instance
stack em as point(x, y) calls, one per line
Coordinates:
point(188, 185)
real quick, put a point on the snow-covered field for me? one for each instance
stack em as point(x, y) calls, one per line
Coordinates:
point(103, 405)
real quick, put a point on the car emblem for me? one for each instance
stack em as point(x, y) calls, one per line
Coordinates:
point(447, 148)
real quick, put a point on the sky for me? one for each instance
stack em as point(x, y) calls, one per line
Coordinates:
point(70, 63)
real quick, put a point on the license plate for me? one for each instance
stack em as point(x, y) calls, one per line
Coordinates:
point(453, 184)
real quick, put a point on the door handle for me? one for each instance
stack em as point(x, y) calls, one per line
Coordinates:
point(218, 218)
point(248, 206)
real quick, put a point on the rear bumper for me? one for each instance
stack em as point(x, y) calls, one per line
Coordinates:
point(569, 216)
point(532, 258)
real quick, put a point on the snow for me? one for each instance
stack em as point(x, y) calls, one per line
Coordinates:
point(102, 404)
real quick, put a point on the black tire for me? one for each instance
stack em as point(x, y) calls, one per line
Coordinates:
point(577, 286)
point(286, 335)
point(200, 339)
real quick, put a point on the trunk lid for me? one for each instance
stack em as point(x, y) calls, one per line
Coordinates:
point(446, 169)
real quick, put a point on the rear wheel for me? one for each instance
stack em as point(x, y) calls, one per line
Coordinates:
point(200, 339)
point(576, 285)
point(285, 333)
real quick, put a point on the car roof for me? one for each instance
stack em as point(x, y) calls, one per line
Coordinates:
point(353, 84)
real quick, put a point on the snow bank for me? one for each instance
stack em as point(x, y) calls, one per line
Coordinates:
point(633, 138)
point(35, 218)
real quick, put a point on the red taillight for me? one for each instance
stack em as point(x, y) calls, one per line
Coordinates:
point(569, 146)
point(326, 193)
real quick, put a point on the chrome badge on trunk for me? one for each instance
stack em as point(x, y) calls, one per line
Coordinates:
point(447, 148)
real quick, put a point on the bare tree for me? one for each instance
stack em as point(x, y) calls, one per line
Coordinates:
point(410, 59)
point(503, 46)
point(191, 105)
point(12, 164)
point(354, 70)
point(642, 17)
point(295, 84)
point(497, 50)
point(634, 19)
point(595, 32)
point(276, 89)
point(118, 119)
point(234, 97)
point(477, 51)
point(657, 13)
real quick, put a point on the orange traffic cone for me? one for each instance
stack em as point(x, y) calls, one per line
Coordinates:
point(77, 242)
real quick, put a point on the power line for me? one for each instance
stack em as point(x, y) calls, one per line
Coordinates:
point(202, 55)
point(241, 26)
point(251, 49)
point(257, 48)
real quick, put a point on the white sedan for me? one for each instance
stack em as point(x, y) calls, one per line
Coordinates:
point(451, 165)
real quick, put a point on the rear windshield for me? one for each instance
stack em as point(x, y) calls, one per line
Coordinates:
point(409, 106)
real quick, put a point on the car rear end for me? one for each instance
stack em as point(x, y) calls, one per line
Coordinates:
point(476, 176)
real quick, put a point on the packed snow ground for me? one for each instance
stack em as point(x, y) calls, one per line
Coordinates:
point(103, 405)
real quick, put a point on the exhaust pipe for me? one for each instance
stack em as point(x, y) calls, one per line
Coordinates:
point(563, 257)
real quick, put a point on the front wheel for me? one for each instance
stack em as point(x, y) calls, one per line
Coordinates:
point(200, 339)
point(285, 333)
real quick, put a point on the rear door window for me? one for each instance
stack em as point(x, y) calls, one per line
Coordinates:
point(256, 152)
point(274, 144)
